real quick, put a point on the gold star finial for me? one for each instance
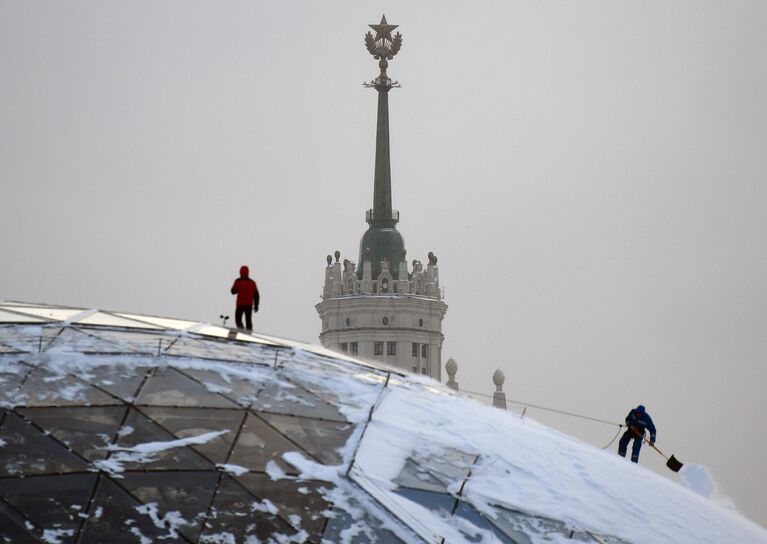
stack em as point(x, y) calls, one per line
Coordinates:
point(383, 30)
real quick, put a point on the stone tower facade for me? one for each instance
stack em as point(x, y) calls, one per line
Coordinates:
point(384, 309)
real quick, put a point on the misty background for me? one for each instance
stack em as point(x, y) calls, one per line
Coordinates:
point(591, 176)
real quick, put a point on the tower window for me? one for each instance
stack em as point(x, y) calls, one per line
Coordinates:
point(378, 348)
point(344, 347)
point(385, 320)
point(348, 322)
point(415, 349)
point(420, 322)
point(424, 351)
point(355, 348)
point(391, 348)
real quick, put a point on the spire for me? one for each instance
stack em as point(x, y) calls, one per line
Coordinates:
point(382, 241)
point(383, 47)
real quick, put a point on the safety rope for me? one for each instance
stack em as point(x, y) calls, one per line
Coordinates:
point(620, 428)
point(547, 409)
point(556, 411)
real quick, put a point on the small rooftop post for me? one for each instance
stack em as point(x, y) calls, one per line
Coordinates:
point(499, 397)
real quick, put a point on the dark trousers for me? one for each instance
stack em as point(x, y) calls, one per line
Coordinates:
point(624, 442)
point(248, 311)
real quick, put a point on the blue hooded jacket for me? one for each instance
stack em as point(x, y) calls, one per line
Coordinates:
point(640, 419)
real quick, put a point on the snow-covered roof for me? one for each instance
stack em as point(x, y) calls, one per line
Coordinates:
point(118, 427)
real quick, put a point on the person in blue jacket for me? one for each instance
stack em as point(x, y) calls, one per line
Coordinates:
point(637, 422)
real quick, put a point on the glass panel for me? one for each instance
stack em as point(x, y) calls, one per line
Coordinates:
point(240, 389)
point(416, 477)
point(448, 465)
point(363, 528)
point(11, 377)
point(51, 502)
point(28, 338)
point(320, 377)
point(56, 314)
point(298, 502)
point(232, 513)
point(49, 334)
point(437, 502)
point(171, 388)
point(14, 526)
point(72, 340)
point(287, 398)
point(115, 518)
point(121, 380)
point(200, 349)
point(320, 438)
point(229, 351)
point(86, 430)
point(188, 493)
point(258, 444)
point(6, 349)
point(162, 322)
point(134, 341)
point(589, 538)
point(44, 388)
point(140, 430)
point(469, 513)
point(9, 317)
point(514, 523)
point(29, 451)
point(605, 539)
point(109, 320)
point(185, 422)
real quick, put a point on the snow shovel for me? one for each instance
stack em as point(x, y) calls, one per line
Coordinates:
point(671, 462)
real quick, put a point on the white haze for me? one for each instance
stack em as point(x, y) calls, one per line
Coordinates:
point(590, 174)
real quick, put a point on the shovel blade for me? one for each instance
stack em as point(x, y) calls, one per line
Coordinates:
point(674, 464)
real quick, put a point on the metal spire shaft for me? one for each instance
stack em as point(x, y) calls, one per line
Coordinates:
point(382, 208)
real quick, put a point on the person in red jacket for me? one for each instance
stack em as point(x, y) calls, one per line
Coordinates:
point(247, 298)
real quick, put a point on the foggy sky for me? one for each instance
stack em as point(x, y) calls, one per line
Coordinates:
point(590, 174)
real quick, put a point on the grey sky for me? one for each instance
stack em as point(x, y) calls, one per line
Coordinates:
point(591, 176)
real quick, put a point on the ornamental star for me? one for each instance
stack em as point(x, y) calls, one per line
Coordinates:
point(383, 30)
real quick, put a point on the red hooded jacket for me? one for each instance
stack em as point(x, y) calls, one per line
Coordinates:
point(245, 289)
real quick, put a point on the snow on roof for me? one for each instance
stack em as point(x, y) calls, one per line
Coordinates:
point(168, 430)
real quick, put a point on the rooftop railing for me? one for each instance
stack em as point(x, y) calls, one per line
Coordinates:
point(370, 215)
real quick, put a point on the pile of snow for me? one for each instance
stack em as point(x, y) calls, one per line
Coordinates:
point(697, 478)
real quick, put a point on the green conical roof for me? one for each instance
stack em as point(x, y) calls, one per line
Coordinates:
point(384, 242)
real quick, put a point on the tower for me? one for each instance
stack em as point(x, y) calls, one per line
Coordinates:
point(384, 309)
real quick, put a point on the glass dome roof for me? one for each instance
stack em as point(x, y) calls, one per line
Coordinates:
point(118, 427)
